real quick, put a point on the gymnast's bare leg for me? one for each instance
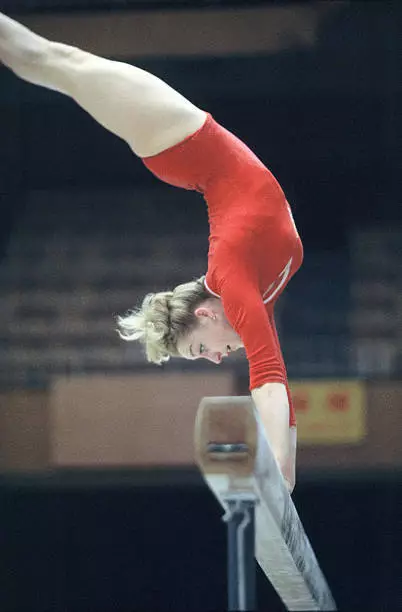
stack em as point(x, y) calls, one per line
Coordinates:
point(135, 105)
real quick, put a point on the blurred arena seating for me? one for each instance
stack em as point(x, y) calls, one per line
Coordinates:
point(376, 318)
point(71, 5)
point(73, 263)
point(76, 259)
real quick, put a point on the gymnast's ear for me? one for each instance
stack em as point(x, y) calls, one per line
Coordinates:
point(204, 311)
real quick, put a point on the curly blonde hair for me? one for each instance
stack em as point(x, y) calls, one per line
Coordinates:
point(163, 319)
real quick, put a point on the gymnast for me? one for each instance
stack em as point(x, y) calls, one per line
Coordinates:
point(254, 247)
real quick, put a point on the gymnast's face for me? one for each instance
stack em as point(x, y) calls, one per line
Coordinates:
point(213, 338)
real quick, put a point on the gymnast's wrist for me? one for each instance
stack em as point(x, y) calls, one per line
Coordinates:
point(289, 485)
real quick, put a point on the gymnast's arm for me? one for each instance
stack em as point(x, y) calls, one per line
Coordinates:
point(246, 313)
point(272, 403)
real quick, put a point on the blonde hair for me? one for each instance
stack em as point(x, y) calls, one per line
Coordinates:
point(163, 319)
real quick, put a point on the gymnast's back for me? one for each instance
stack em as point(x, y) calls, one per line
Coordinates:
point(245, 201)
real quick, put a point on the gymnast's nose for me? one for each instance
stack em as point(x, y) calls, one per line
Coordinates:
point(214, 357)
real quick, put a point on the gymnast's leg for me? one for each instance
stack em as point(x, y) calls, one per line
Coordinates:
point(131, 103)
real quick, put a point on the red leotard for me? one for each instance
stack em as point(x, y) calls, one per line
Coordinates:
point(254, 247)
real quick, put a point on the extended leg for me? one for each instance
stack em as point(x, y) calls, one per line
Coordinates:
point(135, 105)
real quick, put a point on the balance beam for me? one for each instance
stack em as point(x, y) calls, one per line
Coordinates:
point(236, 460)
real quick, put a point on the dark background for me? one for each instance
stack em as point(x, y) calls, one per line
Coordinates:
point(327, 121)
point(155, 541)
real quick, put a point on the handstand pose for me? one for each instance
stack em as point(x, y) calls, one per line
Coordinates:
point(254, 247)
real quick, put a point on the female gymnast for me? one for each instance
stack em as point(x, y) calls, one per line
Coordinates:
point(254, 247)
